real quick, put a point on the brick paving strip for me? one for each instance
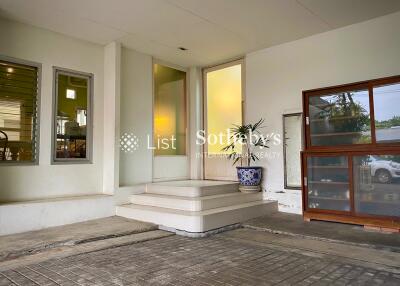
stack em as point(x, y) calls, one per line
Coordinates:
point(238, 257)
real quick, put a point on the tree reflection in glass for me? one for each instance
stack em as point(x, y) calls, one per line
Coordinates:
point(340, 119)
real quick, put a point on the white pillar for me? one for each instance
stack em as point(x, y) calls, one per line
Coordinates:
point(112, 94)
point(196, 122)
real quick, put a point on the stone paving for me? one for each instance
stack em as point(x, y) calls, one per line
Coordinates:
point(216, 260)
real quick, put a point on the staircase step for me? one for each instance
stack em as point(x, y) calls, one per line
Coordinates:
point(192, 188)
point(197, 221)
point(194, 203)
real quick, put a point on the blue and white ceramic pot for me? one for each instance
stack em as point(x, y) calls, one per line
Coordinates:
point(249, 179)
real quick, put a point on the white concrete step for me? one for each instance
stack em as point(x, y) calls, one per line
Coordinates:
point(197, 221)
point(192, 188)
point(194, 203)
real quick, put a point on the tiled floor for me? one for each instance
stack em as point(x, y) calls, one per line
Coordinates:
point(16, 245)
point(280, 222)
point(238, 257)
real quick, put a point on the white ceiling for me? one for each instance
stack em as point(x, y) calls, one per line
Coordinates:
point(212, 30)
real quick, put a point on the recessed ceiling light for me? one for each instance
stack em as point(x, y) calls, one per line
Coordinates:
point(182, 48)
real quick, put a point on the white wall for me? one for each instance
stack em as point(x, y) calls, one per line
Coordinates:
point(276, 77)
point(112, 98)
point(52, 49)
point(196, 122)
point(28, 216)
point(136, 116)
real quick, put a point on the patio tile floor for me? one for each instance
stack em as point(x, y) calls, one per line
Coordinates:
point(293, 224)
point(238, 257)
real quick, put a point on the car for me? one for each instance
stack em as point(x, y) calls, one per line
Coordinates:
point(384, 170)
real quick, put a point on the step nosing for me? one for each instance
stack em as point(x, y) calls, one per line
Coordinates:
point(196, 213)
point(198, 198)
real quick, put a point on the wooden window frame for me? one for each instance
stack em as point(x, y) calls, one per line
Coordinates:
point(349, 151)
point(365, 85)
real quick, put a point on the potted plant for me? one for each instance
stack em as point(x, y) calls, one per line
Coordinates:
point(243, 141)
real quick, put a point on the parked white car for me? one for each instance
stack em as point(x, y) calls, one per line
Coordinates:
point(384, 170)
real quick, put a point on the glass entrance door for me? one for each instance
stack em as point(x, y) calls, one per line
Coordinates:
point(223, 100)
point(171, 161)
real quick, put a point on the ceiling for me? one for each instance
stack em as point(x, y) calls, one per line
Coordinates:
point(211, 30)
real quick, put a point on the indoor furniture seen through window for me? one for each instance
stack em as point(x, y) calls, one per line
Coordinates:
point(19, 100)
point(72, 116)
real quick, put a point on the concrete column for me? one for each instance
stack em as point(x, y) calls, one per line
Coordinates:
point(196, 122)
point(112, 95)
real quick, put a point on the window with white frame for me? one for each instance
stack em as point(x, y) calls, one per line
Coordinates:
point(292, 146)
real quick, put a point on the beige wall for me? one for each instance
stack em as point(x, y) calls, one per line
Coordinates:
point(276, 77)
point(53, 49)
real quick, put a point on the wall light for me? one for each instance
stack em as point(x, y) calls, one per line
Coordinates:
point(10, 70)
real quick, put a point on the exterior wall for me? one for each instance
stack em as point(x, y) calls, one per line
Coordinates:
point(112, 103)
point(136, 116)
point(28, 216)
point(22, 183)
point(276, 77)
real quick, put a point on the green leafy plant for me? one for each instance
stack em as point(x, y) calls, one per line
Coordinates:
point(249, 137)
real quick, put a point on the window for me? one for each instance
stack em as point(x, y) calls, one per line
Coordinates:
point(376, 184)
point(387, 113)
point(341, 118)
point(169, 111)
point(292, 145)
point(19, 101)
point(354, 115)
point(223, 104)
point(72, 116)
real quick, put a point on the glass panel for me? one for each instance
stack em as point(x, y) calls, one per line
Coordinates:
point(340, 119)
point(224, 104)
point(387, 113)
point(169, 111)
point(377, 184)
point(72, 112)
point(18, 112)
point(293, 146)
point(328, 183)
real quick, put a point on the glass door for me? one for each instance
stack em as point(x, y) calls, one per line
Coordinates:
point(377, 184)
point(223, 99)
point(171, 161)
point(328, 183)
